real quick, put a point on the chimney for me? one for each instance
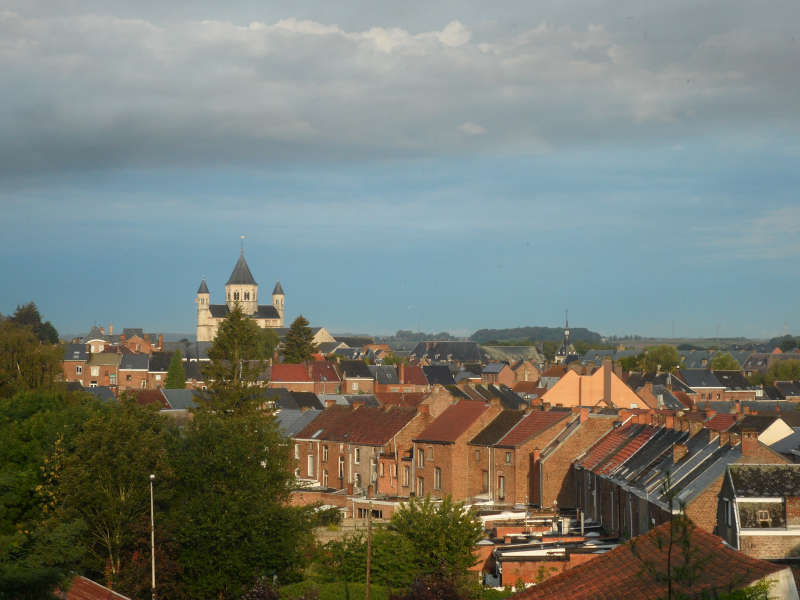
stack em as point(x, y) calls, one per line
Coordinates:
point(122, 338)
point(724, 438)
point(160, 340)
point(738, 406)
point(110, 329)
point(695, 427)
point(669, 421)
point(370, 491)
point(401, 373)
point(618, 369)
point(147, 337)
point(607, 381)
point(679, 451)
point(584, 414)
point(424, 409)
point(103, 330)
point(749, 443)
point(329, 402)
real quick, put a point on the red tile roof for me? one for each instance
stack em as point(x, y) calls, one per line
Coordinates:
point(367, 425)
point(85, 589)
point(683, 398)
point(622, 574)
point(400, 398)
point(555, 371)
point(526, 387)
point(628, 450)
point(151, 397)
point(320, 369)
point(454, 421)
point(721, 422)
point(604, 446)
point(414, 375)
point(533, 424)
point(290, 372)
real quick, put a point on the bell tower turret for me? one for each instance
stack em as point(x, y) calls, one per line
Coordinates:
point(203, 301)
point(277, 300)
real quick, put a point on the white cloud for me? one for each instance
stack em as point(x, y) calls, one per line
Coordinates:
point(470, 128)
point(95, 90)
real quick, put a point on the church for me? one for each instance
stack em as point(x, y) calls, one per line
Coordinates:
point(241, 288)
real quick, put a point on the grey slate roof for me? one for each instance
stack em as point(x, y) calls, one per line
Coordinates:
point(307, 400)
point(75, 352)
point(494, 368)
point(498, 428)
point(440, 374)
point(765, 481)
point(447, 350)
point(354, 368)
point(135, 362)
point(292, 421)
point(788, 389)
point(350, 353)
point(384, 374)
point(159, 362)
point(101, 392)
point(349, 399)
point(241, 274)
point(189, 350)
point(282, 398)
point(787, 444)
point(666, 396)
point(203, 289)
point(758, 423)
point(700, 378)
point(94, 334)
point(509, 399)
point(265, 311)
point(129, 332)
point(733, 380)
point(180, 399)
point(278, 289)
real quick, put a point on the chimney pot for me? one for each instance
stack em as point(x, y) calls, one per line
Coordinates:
point(749, 443)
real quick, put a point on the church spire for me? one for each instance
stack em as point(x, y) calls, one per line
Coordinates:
point(203, 289)
point(241, 274)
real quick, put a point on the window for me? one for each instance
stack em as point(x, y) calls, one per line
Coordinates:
point(112, 379)
point(357, 456)
point(158, 376)
point(373, 470)
point(357, 480)
point(144, 383)
point(93, 384)
point(95, 371)
point(128, 377)
point(763, 518)
point(420, 486)
point(247, 295)
point(477, 454)
point(394, 471)
point(324, 454)
point(406, 476)
point(501, 488)
point(437, 478)
point(325, 478)
point(383, 469)
point(235, 295)
point(508, 458)
point(420, 458)
point(485, 482)
point(297, 452)
point(354, 386)
point(310, 463)
point(78, 369)
point(341, 467)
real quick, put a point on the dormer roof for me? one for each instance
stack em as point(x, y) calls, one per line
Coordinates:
point(241, 274)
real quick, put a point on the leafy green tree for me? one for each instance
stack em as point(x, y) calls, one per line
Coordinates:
point(661, 358)
point(105, 483)
point(299, 344)
point(549, 349)
point(724, 361)
point(442, 535)
point(232, 523)
point(788, 344)
point(25, 363)
point(176, 375)
point(785, 370)
point(28, 315)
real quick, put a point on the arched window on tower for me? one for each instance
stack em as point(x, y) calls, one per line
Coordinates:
point(235, 295)
point(247, 295)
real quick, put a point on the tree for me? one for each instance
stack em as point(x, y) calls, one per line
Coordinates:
point(176, 376)
point(104, 483)
point(232, 522)
point(724, 361)
point(442, 535)
point(25, 363)
point(299, 344)
point(785, 370)
point(28, 315)
point(661, 358)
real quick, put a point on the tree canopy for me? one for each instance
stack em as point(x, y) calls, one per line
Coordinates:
point(724, 361)
point(176, 375)
point(25, 363)
point(28, 315)
point(299, 343)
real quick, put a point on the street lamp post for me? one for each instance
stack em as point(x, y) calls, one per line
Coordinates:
point(152, 542)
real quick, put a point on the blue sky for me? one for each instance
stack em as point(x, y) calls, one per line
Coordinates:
point(442, 166)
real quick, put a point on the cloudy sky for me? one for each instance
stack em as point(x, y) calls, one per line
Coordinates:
point(436, 165)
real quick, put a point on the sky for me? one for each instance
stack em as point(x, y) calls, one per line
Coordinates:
point(417, 165)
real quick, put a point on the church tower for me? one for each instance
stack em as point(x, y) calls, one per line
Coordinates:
point(204, 323)
point(242, 288)
point(277, 300)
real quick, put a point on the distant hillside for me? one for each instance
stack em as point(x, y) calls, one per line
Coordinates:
point(539, 334)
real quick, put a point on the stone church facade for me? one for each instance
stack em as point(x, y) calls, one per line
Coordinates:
point(241, 288)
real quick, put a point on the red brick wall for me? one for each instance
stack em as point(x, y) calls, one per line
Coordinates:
point(536, 571)
point(770, 546)
point(297, 386)
point(69, 368)
point(135, 381)
point(357, 386)
point(306, 498)
point(103, 378)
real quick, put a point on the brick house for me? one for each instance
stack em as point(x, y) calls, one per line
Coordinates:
point(102, 370)
point(602, 388)
point(134, 371)
point(325, 377)
point(356, 377)
point(157, 369)
point(440, 464)
point(759, 510)
point(293, 377)
point(74, 363)
point(481, 455)
point(352, 447)
point(498, 374)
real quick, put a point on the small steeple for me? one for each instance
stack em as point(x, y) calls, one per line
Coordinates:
point(203, 289)
point(278, 290)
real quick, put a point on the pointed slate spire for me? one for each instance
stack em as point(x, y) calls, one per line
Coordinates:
point(278, 290)
point(203, 289)
point(241, 274)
